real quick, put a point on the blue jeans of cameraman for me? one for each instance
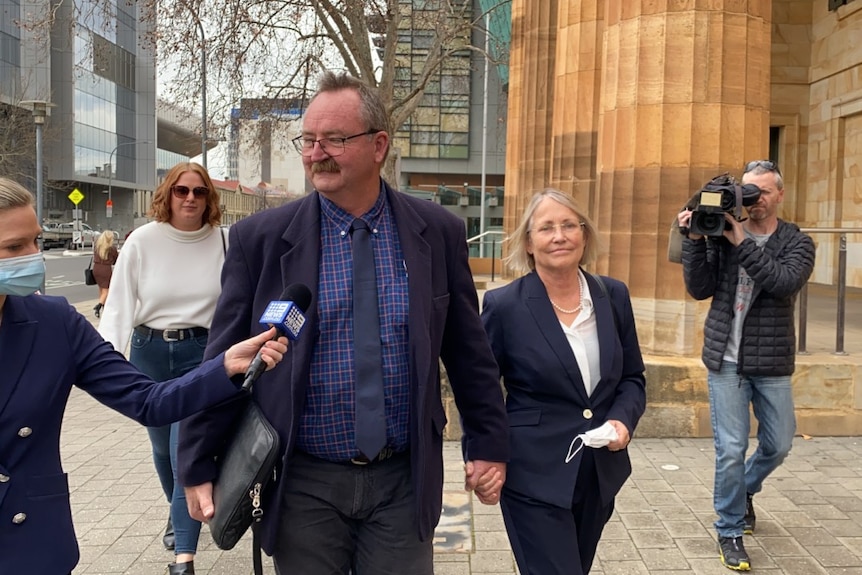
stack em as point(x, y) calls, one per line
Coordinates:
point(163, 360)
point(730, 394)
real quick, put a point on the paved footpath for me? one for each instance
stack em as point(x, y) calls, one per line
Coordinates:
point(809, 513)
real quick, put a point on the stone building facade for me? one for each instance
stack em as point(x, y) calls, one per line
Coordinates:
point(631, 105)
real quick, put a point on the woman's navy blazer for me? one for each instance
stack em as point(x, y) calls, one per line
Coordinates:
point(546, 400)
point(46, 348)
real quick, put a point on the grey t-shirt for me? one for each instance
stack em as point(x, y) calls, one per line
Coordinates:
point(742, 303)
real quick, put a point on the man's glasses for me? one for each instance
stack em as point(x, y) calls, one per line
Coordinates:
point(330, 146)
point(765, 164)
point(182, 192)
point(549, 230)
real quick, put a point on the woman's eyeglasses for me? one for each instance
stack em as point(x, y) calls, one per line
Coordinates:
point(549, 230)
point(182, 192)
point(765, 164)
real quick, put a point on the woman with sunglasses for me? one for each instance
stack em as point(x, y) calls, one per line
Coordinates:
point(162, 298)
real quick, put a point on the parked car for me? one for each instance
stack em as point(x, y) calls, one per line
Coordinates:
point(62, 235)
point(88, 234)
point(53, 236)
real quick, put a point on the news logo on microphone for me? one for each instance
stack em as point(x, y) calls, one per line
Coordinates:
point(286, 316)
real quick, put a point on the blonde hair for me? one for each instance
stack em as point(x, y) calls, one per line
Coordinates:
point(14, 195)
point(522, 262)
point(104, 243)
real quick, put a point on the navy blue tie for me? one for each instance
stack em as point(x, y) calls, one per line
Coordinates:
point(370, 405)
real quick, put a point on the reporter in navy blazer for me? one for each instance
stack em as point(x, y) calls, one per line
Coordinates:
point(568, 353)
point(46, 348)
point(343, 147)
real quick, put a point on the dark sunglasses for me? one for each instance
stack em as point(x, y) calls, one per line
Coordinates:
point(765, 164)
point(182, 192)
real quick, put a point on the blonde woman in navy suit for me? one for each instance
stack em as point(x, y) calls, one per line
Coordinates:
point(46, 349)
point(568, 353)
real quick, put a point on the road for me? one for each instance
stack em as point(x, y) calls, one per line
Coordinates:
point(64, 275)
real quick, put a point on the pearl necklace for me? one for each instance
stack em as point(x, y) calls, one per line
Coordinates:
point(582, 288)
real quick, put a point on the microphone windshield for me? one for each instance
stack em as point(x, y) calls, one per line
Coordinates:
point(286, 314)
point(298, 294)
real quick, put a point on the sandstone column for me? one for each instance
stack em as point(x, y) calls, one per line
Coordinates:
point(531, 98)
point(577, 88)
point(685, 96)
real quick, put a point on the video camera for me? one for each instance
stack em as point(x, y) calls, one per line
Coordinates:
point(722, 194)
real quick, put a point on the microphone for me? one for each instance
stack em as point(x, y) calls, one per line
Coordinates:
point(286, 315)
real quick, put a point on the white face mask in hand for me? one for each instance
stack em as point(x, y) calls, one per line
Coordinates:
point(598, 437)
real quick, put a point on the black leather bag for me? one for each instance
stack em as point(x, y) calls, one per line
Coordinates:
point(245, 469)
point(89, 278)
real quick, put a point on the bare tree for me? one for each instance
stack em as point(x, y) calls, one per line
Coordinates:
point(274, 49)
point(17, 144)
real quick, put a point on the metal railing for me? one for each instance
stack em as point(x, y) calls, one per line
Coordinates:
point(481, 237)
point(841, 306)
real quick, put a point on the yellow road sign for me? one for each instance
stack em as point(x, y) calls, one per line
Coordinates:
point(76, 196)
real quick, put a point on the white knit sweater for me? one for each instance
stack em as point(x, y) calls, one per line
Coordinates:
point(165, 278)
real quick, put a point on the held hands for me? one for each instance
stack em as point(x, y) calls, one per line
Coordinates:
point(486, 479)
point(239, 356)
point(623, 437)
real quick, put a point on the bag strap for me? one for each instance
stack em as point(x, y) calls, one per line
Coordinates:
point(256, 558)
point(223, 243)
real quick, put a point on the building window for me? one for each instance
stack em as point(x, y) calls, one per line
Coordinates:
point(440, 125)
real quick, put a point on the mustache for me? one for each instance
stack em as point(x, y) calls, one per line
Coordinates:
point(327, 165)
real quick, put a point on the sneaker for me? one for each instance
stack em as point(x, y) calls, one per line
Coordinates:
point(733, 555)
point(749, 519)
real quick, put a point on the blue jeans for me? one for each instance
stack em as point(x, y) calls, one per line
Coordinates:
point(729, 397)
point(163, 360)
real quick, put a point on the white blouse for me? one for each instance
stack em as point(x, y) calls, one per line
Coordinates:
point(583, 338)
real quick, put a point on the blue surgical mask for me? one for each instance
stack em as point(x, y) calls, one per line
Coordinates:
point(23, 275)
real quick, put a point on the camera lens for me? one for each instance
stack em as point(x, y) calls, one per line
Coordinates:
point(707, 224)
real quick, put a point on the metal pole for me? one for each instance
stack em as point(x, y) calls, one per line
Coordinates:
point(484, 142)
point(803, 320)
point(39, 195)
point(493, 256)
point(110, 177)
point(842, 295)
point(203, 92)
point(111, 170)
point(39, 119)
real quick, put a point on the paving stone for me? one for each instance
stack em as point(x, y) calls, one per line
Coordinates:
point(809, 511)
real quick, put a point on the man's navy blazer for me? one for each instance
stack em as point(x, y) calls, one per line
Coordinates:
point(46, 348)
point(281, 246)
point(546, 400)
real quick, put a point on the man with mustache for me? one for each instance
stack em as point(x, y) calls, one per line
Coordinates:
point(360, 483)
point(752, 273)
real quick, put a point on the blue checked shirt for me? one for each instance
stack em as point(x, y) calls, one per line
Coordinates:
point(326, 428)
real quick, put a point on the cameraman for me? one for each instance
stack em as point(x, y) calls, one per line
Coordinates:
point(752, 273)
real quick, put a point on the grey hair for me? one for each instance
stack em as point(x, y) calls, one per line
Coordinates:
point(14, 195)
point(759, 170)
point(372, 110)
point(522, 262)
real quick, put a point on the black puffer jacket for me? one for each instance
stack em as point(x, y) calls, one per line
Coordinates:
point(779, 270)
